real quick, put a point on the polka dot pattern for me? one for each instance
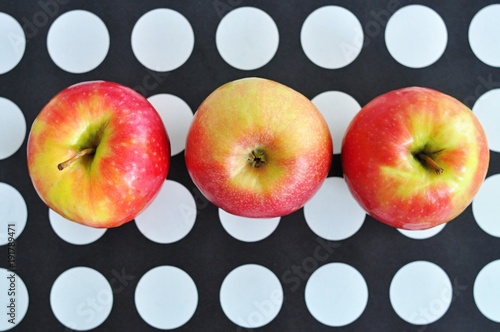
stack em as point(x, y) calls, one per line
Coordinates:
point(487, 291)
point(13, 213)
point(12, 43)
point(247, 38)
point(166, 297)
point(183, 260)
point(333, 213)
point(338, 108)
point(487, 112)
point(486, 45)
point(421, 292)
point(78, 41)
point(12, 128)
point(251, 296)
point(72, 232)
point(331, 37)
point(176, 116)
point(162, 39)
point(81, 298)
point(485, 205)
point(170, 216)
point(416, 36)
point(336, 294)
point(247, 229)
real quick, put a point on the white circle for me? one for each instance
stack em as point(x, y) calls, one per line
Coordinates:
point(487, 112)
point(247, 229)
point(332, 37)
point(166, 297)
point(12, 128)
point(12, 43)
point(487, 291)
point(162, 40)
point(17, 294)
point(416, 36)
point(73, 232)
point(422, 234)
point(176, 116)
point(81, 298)
point(13, 213)
point(171, 215)
point(485, 205)
point(247, 38)
point(420, 292)
point(484, 38)
point(336, 294)
point(338, 108)
point(251, 296)
point(332, 213)
point(78, 41)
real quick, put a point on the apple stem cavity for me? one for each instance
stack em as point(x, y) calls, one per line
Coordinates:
point(257, 158)
point(426, 158)
point(80, 154)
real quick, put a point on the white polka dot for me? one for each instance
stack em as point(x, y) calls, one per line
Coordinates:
point(162, 40)
point(13, 213)
point(176, 116)
point(12, 128)
point(416, 36)
point(488, 113)
point(485, 205)
point(247, 229)
point(73, 232)
point(247, 38)
point(484, 38)
point(171, 215)
point(10, 280)
point(422, 234)
point(81, 298)
point(332, 37)
point(251, 296)
point(420, 292)
point(166, 297)
point(338, 109)
point(12, 43)
point(336, 294)
point(487, 291)
point(332, 213)
point(78, 41)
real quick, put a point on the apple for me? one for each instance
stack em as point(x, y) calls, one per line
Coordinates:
point(258, 149)
point(414, 158)
point(98, 153)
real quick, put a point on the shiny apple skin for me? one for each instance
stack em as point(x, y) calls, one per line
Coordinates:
point(387, 179)
point(256, 114)
point(128, 168)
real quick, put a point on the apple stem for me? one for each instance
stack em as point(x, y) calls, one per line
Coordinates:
point(257, 158)
point(80, 154)
point(430, 162)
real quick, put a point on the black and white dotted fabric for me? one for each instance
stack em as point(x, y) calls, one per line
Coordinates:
point(184, 264)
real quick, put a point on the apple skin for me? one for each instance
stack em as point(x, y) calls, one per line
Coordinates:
point(132, 153)
point(388, 179)
point(273, 121)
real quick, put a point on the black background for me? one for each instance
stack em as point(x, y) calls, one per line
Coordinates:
point(208, 253)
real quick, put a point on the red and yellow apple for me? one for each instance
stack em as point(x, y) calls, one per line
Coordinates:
point(414, 158)
point(257, 148)
point(98, 153)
